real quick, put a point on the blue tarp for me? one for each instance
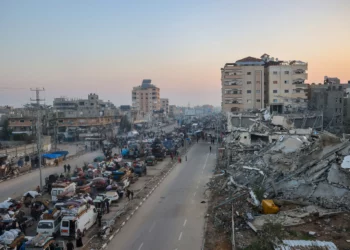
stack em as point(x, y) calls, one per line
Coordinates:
point(51, 156)
point(61, 152)
point(125, 152)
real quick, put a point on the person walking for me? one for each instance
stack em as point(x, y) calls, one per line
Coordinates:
point(79, 239)
point(99, 219)
point(68, 168)
point(210, 149)
point(128, 193)
point(70, 245)
point(132, 194)
point(65, 168)
point(107, 205)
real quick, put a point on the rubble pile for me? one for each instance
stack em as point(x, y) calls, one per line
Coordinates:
point(305, 173)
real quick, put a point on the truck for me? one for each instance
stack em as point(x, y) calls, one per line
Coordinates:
point(82, 218)
point(62, 187)
point(50, 223)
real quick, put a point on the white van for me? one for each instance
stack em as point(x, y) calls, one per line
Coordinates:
point(60, 188)
point(50, 225)
point(83, 221)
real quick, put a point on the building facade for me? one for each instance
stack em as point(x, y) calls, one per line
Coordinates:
point(285, 85)
point(328, 98)
point(165, 105)
point(242, 85)
point(145, 98)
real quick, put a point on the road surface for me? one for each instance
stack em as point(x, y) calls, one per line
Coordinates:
point(173, 217)
point(18, 186)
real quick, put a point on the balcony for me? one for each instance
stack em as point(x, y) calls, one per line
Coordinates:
point(300, 73)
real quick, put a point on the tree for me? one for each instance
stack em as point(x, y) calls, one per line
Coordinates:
point(6, 131)
point(125, 125)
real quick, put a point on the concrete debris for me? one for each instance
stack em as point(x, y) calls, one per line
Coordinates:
point(305, 172)
point(305, 245)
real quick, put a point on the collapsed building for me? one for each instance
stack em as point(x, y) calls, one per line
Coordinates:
point(272, 170)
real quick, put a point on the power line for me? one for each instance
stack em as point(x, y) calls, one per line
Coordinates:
point(38, 127)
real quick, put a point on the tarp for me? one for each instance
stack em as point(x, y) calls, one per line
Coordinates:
point(60, 153)
point(51, 156)
point(31, 193)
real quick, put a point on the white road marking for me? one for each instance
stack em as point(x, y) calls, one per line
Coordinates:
point(140, 246)
point(194, 194)
point(151, 228)
point(110, 238)
point(185, 222)
point(180, 236)
point(104, 245)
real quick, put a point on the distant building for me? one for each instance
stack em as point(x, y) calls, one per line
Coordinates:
point(242, 85)
point(165, 105)
point(331, 80)
point(145, 98)
point(328, 98)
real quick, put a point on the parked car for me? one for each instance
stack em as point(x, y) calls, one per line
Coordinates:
point(112, 195)
point(99, 183)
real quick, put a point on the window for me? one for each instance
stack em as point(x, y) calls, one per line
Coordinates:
point(249, 91)
point(257, 100)
point(257, 82)
point(286, 81)
point(21, 120)
point(286, 91)
point(336, 100)
point(286, 100)
point(298, 90)
point(249, 73)
point(275, 91)
point(336, 110)
point(257, 91)
point(275, 82)
point(275, 72)
point(339, 100)
point(275, 100)
point(249, 101)
point(249, 82)
point(286, 72)
point(339, 110)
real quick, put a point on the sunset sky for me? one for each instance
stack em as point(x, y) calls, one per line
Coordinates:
point(73, 48)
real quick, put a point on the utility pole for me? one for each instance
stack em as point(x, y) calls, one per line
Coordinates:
point(38, 128)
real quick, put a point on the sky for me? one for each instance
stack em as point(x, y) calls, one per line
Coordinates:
point(73, 48)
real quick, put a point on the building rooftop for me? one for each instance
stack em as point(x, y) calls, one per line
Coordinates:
point(249, 59)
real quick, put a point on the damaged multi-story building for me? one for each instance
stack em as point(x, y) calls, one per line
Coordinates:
point(242, 85)
point(256, 83)
point(285, 85)
point(328, 98)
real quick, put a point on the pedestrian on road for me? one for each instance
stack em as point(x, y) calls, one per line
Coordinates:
point(186, 157)
point(65, 168)
point(68, 168)
point(179, 159)
point(210, 149)
point(99, 219)
point(132, 194)
point(172, 157)
point(38, 189)
point(128, 193)
point(79, 240)
point(70, 245)
point(107, 205)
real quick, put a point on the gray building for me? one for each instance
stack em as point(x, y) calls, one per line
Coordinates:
point(328, 98)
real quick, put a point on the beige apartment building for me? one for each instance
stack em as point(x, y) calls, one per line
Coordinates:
point(145, 98)
point(242, 85)
point(285, 84)
point(164, 104)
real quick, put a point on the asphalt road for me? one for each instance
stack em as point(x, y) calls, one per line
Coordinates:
point(173, 216)
point(18, 186)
